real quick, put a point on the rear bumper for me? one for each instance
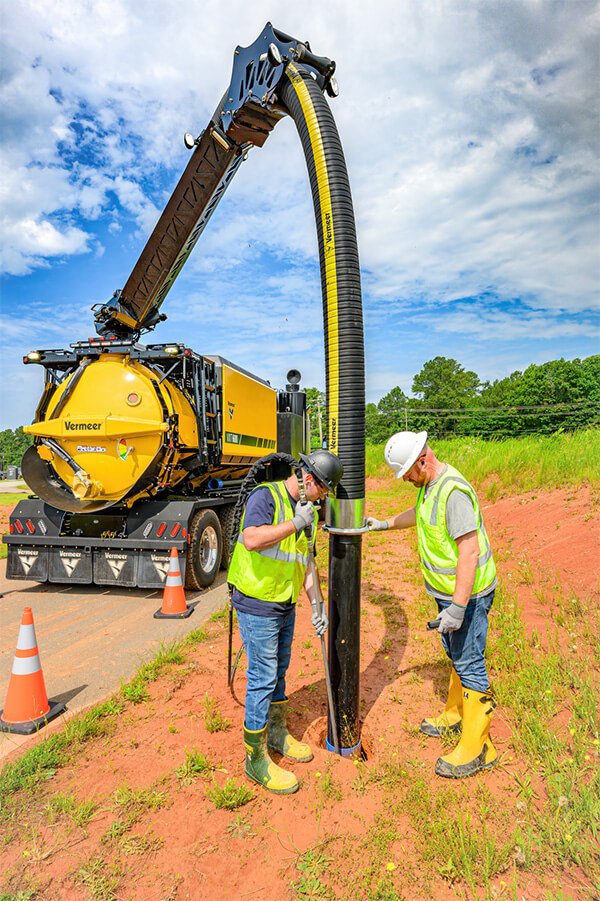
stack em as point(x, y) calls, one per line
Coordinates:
point(87, 561)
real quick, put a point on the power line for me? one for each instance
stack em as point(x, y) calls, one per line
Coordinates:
point(580, 404)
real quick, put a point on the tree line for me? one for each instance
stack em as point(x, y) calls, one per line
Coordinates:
point(562, 395)
point(13, 445)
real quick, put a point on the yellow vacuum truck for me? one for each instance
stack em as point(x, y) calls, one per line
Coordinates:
point(138, 450)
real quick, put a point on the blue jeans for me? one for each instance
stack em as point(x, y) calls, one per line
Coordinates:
point(466, 646)
point(268, 644)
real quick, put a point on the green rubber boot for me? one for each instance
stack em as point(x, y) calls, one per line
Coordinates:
point(475, 750)
point(280, 740)
point(261, 768)
point(450, 720)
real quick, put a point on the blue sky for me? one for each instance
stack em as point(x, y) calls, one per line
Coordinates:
point(470, 131)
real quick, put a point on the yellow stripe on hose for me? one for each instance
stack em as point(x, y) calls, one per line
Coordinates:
point(331, 298)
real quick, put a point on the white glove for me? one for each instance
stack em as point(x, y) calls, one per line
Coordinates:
point(304, 515)
point(451, 618)
point(319, 622)
point(376, 525)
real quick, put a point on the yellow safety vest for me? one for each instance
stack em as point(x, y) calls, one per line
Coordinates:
point(273, 573)
point(438, 552)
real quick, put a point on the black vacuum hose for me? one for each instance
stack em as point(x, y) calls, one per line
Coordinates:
point(345, 384)
point(340, 275)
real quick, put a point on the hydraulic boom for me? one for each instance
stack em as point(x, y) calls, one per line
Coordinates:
point(247, 113)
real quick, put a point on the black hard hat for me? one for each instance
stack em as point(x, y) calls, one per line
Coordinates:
point(325, 466)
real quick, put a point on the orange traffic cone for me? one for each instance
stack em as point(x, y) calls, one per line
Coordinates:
point(174, 605)
point(27, 708)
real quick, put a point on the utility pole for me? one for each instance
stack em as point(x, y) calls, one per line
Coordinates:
point(320, 425)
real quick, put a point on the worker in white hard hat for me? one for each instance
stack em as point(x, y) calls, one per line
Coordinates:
point(460, 574)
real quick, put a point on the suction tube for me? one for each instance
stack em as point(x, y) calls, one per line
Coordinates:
point(345, 384)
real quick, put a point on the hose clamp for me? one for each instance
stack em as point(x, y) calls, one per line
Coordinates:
point(344, 516)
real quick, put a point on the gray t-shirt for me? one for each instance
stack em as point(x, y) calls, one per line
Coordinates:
point(460, 515)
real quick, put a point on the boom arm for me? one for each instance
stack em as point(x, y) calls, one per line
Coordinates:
point(247, 113)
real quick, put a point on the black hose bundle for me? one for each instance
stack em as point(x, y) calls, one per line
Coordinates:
point(271, 468)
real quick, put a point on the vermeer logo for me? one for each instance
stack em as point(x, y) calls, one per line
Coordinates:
point(82, 426)
point(230, 408)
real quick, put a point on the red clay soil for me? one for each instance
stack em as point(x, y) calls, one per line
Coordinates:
point(191, 850)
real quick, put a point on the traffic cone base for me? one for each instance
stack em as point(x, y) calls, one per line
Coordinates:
point(27, 708)
point(187, 612)
point(174, 605)
point(32, 725)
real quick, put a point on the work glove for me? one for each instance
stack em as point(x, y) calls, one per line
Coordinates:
point(304, 515)
point(376, 525)
point(320, 622)
point(451, 618)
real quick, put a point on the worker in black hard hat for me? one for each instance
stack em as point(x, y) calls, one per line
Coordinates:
point(268, 569)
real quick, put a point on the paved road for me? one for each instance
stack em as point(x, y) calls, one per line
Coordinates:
point(13, 487)
point(90, 637)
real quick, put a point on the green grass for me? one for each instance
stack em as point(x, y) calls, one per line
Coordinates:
point(8, 499)
point(213, 718)
point(195, 764)
point(534, 686)
point(80, 812)
point(38, 764)
point(100, 878)
point(230, 796)
point(514, 464)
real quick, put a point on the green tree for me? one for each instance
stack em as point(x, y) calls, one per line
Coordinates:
point(443, 383)
point(12, 446)
point(316, 409)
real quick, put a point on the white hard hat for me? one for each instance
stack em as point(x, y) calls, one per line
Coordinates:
point(402, 450)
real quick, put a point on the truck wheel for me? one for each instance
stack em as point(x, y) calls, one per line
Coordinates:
point(204, 550)
point(226, 517)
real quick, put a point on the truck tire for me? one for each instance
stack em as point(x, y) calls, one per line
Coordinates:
point(226, 518)
point(204, 550)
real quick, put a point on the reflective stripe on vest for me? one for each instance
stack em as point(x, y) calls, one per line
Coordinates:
point(437, 549)
point(274, 574)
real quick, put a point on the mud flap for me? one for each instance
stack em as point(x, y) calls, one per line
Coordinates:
point(154, 566)
point(70, 565)
point(27, 563)
point(116, 568)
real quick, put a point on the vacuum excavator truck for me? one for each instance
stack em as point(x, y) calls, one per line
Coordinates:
point(138, 449)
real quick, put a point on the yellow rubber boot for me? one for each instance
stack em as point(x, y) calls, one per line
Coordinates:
point(280, 740)
point(450, 720)
point(261, 768)
point(475, 751)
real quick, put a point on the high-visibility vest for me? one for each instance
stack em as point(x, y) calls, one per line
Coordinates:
point(438, 552)
point(274, 573)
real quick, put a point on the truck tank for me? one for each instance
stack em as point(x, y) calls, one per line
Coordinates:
point(123, 425)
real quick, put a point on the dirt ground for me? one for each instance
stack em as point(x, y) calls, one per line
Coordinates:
point(188, 849)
